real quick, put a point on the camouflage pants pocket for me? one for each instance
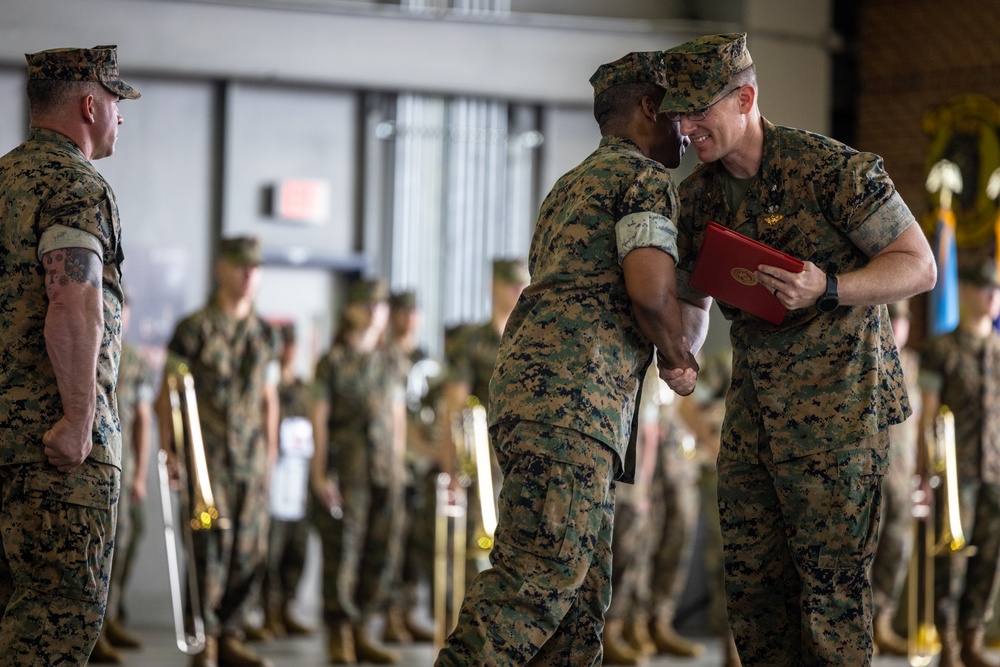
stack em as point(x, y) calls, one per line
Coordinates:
point(540, 506)
point(58, 534)
point(71, 540)
point(848, 534)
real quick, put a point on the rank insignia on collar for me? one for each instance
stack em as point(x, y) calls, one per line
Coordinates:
point(771, 219)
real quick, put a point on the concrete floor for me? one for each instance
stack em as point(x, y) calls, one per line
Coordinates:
point(159, 650)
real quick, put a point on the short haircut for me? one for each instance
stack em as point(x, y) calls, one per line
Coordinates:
point(745, 76)
point(617, 102)
point(47, 95)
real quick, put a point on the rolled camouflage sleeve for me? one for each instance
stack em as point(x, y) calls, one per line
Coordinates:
point(873, 214)
point(59, 237)
point(645, 230)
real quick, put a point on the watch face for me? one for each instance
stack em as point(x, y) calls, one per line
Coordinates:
point(827, 303)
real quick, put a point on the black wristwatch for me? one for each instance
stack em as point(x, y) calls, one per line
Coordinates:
point(828, 302)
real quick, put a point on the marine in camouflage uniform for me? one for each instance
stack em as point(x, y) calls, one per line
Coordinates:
point(626, 637)
point(655, 522)
point(961, 370)
point(358, 476)
point(805, 439)
point(421, 375)
point(675, 514)
point(470, 357)
point(288, 535)
point(568, 378)
point(231, 354)
point(61, 296)
point(895, 544)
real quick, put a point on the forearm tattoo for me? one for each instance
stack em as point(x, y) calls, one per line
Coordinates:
point(76, 265)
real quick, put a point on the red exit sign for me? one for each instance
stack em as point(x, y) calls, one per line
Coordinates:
point(302, 200)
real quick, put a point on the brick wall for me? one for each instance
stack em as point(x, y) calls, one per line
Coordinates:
point(915, 55)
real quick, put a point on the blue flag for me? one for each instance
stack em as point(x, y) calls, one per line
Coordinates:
point(942, 312)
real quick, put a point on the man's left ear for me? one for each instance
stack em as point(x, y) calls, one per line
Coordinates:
point(651, 108)
point(87, 108)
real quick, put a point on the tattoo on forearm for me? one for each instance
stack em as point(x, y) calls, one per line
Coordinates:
point(75, 265)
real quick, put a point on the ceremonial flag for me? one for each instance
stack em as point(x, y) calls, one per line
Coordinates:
point(944, 179)
point(942, 312)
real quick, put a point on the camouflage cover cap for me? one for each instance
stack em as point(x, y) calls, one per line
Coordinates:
point(366, 290)
point(636, 67)
point(511, 271)
point(241, 249)
point(97, 64)
point(982, 273)
point(697, 71)
point(405, 300)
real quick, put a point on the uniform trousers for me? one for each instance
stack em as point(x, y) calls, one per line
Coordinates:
point(55, 563)
point(968, 585)
point(799, 537)
point(361, 551)
point(542, 601)
point(229, 560)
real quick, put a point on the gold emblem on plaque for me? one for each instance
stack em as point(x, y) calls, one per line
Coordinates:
point(743, 276)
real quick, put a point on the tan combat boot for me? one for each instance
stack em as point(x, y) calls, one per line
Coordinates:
point(273, 621)
point(973, 651)
point(340, 644)
point(234, 653)
point(293, 627)
point(886, 640)
point(637, 635)
point(103, 652)
point(421, 632)
point(252, 633)
point(617, 651)
point(119, 636)
point(369, 649)
point(395, 631)
point(669, 642)
point(209, 656)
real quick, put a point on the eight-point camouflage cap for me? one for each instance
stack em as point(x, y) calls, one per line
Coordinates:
point(697, 71)
point(97, 64)
point(405, 300)
point(366, 290)
point(241, 249)
point(636, 67)
point(982, 273)
point(511, 271)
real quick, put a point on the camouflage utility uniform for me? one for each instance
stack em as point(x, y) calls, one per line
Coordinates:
point(57, 528)
point(135, 385)
point(964, 372)
point(419, 371)
point(635, 529)
point(288, 538)
point(674, 513)
point(805, 439)
point(230, 361)
point(361, 549)
point(562, 402)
